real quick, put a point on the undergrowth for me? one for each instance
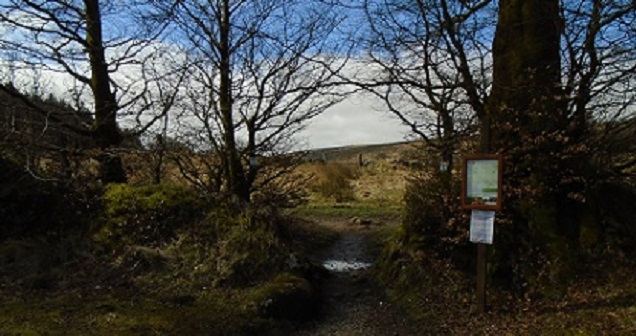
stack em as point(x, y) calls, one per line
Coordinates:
point(429, 268)
point(157, 259)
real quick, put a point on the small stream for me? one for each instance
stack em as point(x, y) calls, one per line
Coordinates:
point(345, 265)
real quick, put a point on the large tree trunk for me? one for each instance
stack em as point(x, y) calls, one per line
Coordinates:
point(526, 74)
point(105, 130)
point(523, 121)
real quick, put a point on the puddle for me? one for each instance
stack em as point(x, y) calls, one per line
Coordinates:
point(344, 265)
point(348, 254)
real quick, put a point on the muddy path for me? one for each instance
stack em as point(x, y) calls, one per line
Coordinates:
point(353, 303)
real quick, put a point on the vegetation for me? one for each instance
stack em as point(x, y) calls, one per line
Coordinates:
point(542, 113)
point(77, 37)
point(440, 296)
point(148, 215)
point(333, 181)
point(151, 258)
point(176, 224)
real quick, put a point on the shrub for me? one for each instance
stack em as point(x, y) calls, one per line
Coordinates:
point(431, 211)
point(148, 215)
point(249, 255)
point(251, 250)
point(333, 181)
point(615, 213)
point(234, 245)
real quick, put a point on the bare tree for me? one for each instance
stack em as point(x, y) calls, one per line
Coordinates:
point(430, 63)
point(551, 88)
point(259, 72)
point(88, 41)
point(599, 77)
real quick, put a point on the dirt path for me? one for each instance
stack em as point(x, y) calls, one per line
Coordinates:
point(353, 303)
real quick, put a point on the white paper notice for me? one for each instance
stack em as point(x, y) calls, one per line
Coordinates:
point(482, 226)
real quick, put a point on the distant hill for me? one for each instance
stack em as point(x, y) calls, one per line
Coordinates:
point(350, 153)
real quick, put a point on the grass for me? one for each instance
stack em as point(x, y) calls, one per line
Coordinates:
point(212, 312)
point(374, 196)
point(374, 190)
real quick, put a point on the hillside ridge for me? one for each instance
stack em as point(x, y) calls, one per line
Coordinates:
point(351, 152)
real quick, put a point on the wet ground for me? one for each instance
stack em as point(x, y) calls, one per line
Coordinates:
point(348, 254)
point(353, 304)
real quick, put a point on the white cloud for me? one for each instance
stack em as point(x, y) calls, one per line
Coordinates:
point(354, 121)
point(357, 120)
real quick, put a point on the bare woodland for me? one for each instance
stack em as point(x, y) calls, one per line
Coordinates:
point(211, 94)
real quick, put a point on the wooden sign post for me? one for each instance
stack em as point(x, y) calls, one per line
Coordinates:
point(481, 193)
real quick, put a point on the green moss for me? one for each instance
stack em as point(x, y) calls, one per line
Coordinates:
point(147, 215)
point(286, 296)
point(249, 253)
point(120, 198)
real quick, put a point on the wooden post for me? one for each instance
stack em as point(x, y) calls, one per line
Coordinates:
point(487, 203)
point(485, 146)
point(482, 249)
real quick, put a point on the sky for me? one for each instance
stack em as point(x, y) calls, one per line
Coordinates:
point(357, 120)
point(354, 121)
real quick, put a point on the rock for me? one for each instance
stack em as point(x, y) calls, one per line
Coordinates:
point(287, 297)
point(360, 221)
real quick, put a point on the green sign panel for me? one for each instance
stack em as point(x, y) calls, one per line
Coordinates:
point(482, 182)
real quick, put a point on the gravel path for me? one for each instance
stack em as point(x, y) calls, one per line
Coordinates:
point(353, 304)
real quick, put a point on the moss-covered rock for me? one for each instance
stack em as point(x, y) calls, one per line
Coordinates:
point(286, 296)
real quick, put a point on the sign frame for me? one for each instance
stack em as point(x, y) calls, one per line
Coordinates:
point(466, 199)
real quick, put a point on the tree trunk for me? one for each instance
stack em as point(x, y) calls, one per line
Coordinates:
point(105, 130)
point(235, 175)
point(526, 70)
point(523, 114)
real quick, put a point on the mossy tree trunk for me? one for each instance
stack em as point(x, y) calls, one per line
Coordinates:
point(526, 74)
point(525, 121)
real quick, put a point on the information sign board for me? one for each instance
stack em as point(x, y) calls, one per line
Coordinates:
point(481, 182)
